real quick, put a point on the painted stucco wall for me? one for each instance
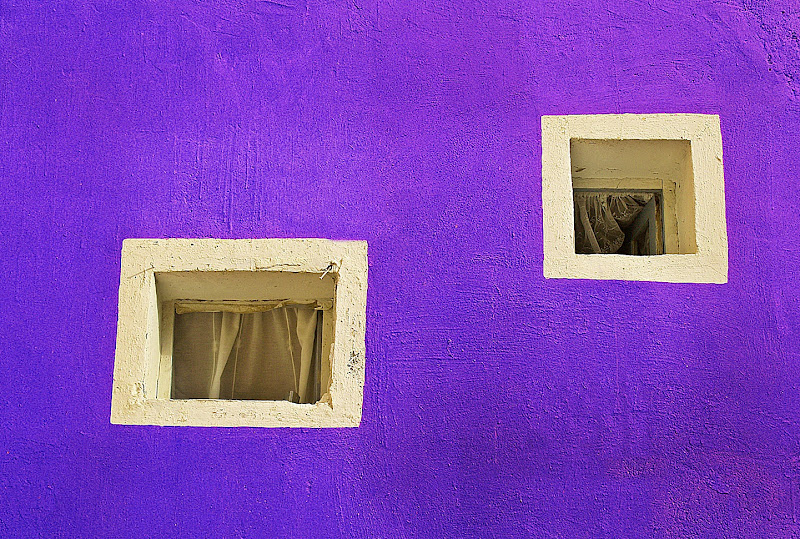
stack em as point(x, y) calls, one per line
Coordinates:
point(497, 403)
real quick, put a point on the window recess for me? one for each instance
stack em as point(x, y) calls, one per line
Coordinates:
point(617, 179)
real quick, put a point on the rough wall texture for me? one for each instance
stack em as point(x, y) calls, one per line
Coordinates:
point(497, 403)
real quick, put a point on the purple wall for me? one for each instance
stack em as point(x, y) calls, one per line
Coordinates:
point(496, 403)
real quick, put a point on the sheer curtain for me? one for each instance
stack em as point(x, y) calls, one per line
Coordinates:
point(600, 219)
point(267, 355)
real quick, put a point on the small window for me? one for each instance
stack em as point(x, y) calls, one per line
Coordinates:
point(634, 197)
point(240, 332)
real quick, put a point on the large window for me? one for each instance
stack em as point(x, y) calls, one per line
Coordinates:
point(240, 332)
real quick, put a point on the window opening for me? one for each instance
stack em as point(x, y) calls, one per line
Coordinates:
point(246, 332)
point(247, 351)
point(621, 221)
point(667, 168)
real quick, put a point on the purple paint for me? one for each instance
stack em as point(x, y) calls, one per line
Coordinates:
point(497, 403)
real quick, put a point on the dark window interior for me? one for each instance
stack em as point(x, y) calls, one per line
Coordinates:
point(620, 221)
point(271, 355)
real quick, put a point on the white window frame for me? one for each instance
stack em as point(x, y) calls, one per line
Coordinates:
point(143, 360)
point(709, 261)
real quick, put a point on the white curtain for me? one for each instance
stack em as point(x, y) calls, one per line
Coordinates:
point(270, 355)
point(601, 219)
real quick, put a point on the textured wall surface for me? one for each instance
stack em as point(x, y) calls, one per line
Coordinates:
point(497, 403)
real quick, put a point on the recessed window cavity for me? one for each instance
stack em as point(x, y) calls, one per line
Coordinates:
point(632, 197)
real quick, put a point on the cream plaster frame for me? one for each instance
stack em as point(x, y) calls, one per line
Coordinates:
point(246, 264)
point(704, 255)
